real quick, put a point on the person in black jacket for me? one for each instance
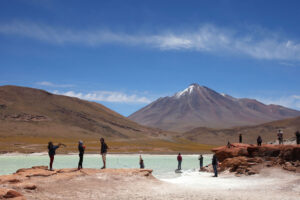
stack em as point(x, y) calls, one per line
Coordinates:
point(81, 149)
point(201, 161)
point(297, 137)
point(215, 164)
point(103, 152)
point(240, 138)
point(259, 141)
point(51, 151)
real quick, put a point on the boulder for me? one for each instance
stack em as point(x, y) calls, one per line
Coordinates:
point(290, 168)
point(236, 149)
point(12, 194)
point(240, 158)
point(264, 151)
point(14, 180)
point(240, 165)
point(30, 187)
point(290, 152)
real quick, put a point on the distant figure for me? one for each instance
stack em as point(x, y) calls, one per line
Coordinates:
point(142, 166)
point(259, 141)
point(228, 145)
point(51, 151)
point(297, 137)
point(280, 136)
point(81, 149)
point(215, 165)
point(201, 161)
point(179, 159)
point(103, 152)
point(240, 138)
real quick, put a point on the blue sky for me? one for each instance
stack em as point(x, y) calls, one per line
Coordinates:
point(125, 54)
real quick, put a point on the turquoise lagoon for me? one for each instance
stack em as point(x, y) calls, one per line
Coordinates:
point(163, 165)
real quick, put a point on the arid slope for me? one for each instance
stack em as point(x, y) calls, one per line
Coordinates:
point(29, 118)
point(268, 132)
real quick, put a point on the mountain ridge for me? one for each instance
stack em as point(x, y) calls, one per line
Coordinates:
point(201, 106)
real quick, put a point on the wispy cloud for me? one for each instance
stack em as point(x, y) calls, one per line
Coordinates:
point(49, 84)
point(288, 64)
point(107, 96)
point(257, 44)
point(292, 101)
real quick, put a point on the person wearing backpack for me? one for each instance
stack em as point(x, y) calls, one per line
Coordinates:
point(51, 152)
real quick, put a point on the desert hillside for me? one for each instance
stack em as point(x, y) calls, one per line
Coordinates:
point(268, 132)
point(29, 118)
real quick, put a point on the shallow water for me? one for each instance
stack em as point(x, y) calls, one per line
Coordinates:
point(163, 165)
point(270, 184)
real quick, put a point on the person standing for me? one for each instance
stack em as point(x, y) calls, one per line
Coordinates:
point(215, 164)
point(142, 166)
point(228, 145)
point(240, 138)
point(51, 151)
point(280, 137)
point(81, 149)
point(259, 141)
point(297, 137)
point(201, 161)
point(179, 159)
point(103, 152)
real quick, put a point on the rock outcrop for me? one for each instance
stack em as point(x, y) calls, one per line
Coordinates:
point(249, 159)
point(27, 182)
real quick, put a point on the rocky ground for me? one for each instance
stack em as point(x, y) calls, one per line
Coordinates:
point(250, 159)
point(40, 183)
point(115, 184)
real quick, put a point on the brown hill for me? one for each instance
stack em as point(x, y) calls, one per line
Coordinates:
point(29, 118)
point(268, 132)
point(200, 106)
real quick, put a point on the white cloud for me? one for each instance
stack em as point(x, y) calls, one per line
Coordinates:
point(49, 84)
point(107, 96)
point(288, 64)
point(256, 43)
point(292, 101)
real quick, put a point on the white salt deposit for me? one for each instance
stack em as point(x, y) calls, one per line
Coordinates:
point(270, 184)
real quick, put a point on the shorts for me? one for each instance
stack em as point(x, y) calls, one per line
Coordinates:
point(103, 156)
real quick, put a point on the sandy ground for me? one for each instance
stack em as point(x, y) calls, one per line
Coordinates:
point(270, 184)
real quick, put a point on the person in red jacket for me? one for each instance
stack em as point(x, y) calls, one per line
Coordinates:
point(179, 159)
